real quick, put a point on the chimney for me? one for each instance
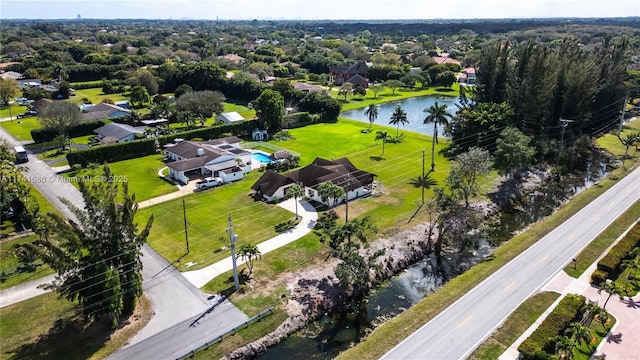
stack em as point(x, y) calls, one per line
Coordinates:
point(200, 152)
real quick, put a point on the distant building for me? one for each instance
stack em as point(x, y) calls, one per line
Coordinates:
point(229, 117)
point(357, 74)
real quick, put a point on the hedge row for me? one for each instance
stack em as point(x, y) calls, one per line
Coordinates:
point(82, 129)
point(609, 267)
point(140, 148)
point(539, 345)
point(87, 85)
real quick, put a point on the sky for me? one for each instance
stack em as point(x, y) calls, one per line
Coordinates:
point(314, 9)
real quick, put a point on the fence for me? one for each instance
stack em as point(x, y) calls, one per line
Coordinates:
point(229, 332)
point(262, 144)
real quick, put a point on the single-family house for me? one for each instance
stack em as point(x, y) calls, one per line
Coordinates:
point(341, 172)
point(468, 76)
point(11, 75)
point(444, 60)
point(232, 58)
point(102, 111)
point(115, 133)
point(218, 158)
point(306, 87)
point(40, 104)
point(229, 117)
point(355, 74)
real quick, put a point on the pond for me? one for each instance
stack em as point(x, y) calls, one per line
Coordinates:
point(413, 107)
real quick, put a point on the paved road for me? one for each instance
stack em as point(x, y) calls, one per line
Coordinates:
point(459, 329)
point(174, 299)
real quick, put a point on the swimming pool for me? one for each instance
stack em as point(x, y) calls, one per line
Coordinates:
point(261, 157)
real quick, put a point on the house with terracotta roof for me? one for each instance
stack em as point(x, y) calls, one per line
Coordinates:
point(467, 76)
point(221, 158)
point(341, 172)
point(357, 74)
point(444, 60)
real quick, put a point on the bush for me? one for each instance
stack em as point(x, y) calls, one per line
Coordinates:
point(112, 153)
point(539, 345)
point(599, 276)
point(610, 263)
point(87, 85)
point(83, 129)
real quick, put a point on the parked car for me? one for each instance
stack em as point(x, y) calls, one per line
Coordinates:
point(27, 113)
point(208, 182)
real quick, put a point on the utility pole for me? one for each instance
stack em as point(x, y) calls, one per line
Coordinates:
point(184, 215)
point(423, 179)
point(233, 239)
point(624, 107)
point(565, 123)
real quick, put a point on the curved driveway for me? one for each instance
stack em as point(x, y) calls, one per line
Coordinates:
point(460, 328)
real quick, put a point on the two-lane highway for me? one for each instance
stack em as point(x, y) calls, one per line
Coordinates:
point(460, 328)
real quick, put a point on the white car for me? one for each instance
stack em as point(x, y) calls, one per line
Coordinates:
point(208, 182)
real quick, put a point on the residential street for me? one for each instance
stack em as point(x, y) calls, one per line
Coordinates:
point(459, 329)
point(174, 299)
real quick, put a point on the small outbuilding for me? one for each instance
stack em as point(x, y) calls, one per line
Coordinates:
point(229, 117)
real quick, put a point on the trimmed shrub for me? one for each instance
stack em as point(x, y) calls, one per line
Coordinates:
point(624, 246)
point(112, 153)
point(539, 345)
point(599, 276)
point(83, 129)
point(610, 263)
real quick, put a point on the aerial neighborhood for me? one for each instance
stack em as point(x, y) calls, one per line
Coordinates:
point(395, 189)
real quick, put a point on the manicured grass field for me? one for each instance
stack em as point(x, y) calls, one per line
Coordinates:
point(400, 163)
point(96, 96)
point(141, 173)
point(611, 142)
point(241, 109)
point(15, 110)
point(21, 128)
point(207, 215)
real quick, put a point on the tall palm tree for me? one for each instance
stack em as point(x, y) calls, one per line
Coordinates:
point(581, 334)
point(438, 115)
point(382, 135)
point(610, 288)
point(251, 253)
point(564, 346)
point(399, 117)
point(372, 113)
point(295, 191)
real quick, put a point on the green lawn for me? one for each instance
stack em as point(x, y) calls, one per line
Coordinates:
point(611, 142)
point(141, 173)
point(241, 108)
point(15, 110)
point(400, 163)
point(12, 275)
point(21, 128)
point(207, 218)
point(47, 327)
point(96, 96)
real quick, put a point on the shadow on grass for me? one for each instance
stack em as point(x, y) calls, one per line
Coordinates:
point(376, 158)
point(68, 338)
point(243, 277)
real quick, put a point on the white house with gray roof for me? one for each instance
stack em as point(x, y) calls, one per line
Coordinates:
point(221, 158)
point(115, 133)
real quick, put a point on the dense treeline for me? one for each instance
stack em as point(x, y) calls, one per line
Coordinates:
point(549, 91)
